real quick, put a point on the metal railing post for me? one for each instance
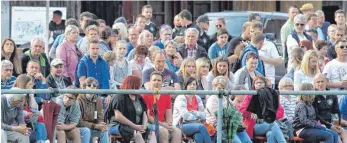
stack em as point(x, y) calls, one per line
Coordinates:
point(220, 116)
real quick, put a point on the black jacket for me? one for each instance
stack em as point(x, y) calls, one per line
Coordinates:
point(204, 41)
point(265, 104)
point(51, 82)
point(43, 61)
point(325, 107)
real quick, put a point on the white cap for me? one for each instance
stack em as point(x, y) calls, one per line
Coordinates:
point(56, 62)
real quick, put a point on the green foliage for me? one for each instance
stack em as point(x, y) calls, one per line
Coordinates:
point(232, 119)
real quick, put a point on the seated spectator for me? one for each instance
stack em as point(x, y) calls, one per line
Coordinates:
point(188, 69)
point(220, 47)
point(221, 83)
point(10, 52)
point(91, 120)
point(92, 32)
point(287, 101)
point(308, 69)
point(258, 126)
point(68, 52)
point(56, 79)
point(327, 107)
point(122, 31)
point(238, 99)
point(247, 74)
point(244, 38)
point(202, 70)
point(165, 35)
point(305, 121)
point(220, 24)
point(121, 68)
point(105, 37)
point(190, 108)
point(139, 61)
point(127, 112)
point(38, 80)
point(297, 55)
point(343, 107)
point(164, 108)
point(12, 112)
point(321, 48)
point(149, 59)
point(36, 53)
point(190, 48)
point(7, 80)
point(221, 68)
point(133, 37)
point(170, 78)
point(145, 38)
point(68, 118)
point(173, 58)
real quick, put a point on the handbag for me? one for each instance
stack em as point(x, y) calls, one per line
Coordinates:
point(126, 132)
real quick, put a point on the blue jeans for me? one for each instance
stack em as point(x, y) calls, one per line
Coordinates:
point(114, 130)
point(242, 137)
point(272, 131)
point(319, 133)
point(88, 134)
point(199, 132)
point(40, 132)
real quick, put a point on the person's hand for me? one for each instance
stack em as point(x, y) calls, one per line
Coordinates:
point(335, 128)
point(60, 126)
point(108, 99)
point(101, 127)
point(40, 77)
point(21, 129)
point(254, 116)
point(139, 128)
point(168, 126)
point(344, 84)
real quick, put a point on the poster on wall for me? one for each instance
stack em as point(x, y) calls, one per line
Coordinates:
point(30, 22)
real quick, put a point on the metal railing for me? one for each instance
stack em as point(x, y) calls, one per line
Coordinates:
point(221, 93)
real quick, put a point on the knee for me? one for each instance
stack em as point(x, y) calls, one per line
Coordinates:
point(85, 131)
point(75, 134)
point(176, 132)
point(164, 133)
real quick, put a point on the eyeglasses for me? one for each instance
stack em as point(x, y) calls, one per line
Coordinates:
point(299, 24)
point(92, 85)
point(8, 70)
point(343, 47)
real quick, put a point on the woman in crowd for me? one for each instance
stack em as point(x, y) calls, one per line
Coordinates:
point(246, 75)
point(10, 52)
point(121, 68)
point(146, 39)
point(173, 58)
point(202, 69)
point(287, 101)
point(127, 113)
point(238, 99)
point(221, 68)
point(114, 38)
point(306, 45)
point(187, 69)
point(104, 40)
point(190, 108)
point(327, 107)
point(165, 35)
point(68, 52)
point(122, 30)
point(30, 107)
point(322, 48)
point(233, 59)
point(305, 121)
point(297, 55)
point(139, 61)
point(308, 69)
point(257, 126)
point(110, 58)
point(220, 83)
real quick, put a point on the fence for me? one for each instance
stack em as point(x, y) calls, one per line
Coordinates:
point(183, 92)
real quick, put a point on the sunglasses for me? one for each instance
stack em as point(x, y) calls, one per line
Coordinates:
point(343, 47)
point(299, 24)
point(92, 85)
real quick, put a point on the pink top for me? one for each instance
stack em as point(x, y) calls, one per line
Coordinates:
point(66, 51)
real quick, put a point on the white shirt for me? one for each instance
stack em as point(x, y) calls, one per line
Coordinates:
point(269, 50)
point(300, 78)
point(290, 43)
point(335, 70)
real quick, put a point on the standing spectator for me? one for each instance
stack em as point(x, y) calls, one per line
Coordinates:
point(314, 35)
point(170, 78)
point(307, 9)
point(340, 19)
point(245, 37)
point(312, 23)
point(110, 58)
point(221, 68)
point(256, 44)
point(331, 32)
point(10, 52)
point(164, 112)
point(287, 28)
point(321, 47)
point(247, 74)
point(297, 54)
point(12, 110)
point(220, 24)
point(69, 53)
point(191, 108)
point(165, 35)
point(145, 38)
point(57, 79)
point(84, 17)
point(190, 48)
point(139, 62)
point(140, 22)
point(36, 53)
point(336, 69)
point(121, 68)
point(91, 120)
point(220, 47)
point(287, 101)
point(92, 65)
point(147, 11)
point(186, 70)
point(7, 80)
point(133, 38)
point(204, 40)
point(68, 118)
point(105, 37)
point(173, 58)
point(338, 36)
point(254, 17)
point(305, 122)
point(306, 45)
point(296, 35)
point(177, 31)
point(57, 25)
point(121, 20)
point(102, 24)
point(92, 32)
point(308, 69)
point(322, 23)
point(234, 60)
point(186, 20)
point(122, 31)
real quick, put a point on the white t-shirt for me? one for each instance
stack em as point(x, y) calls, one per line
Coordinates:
point(300, 78)
point(335, 70)
point(290, 43)
point(269, 50)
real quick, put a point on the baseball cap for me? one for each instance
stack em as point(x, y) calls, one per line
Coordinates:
point(306, 6)
point(202, 18)
point(56, 62)
point(121, 20)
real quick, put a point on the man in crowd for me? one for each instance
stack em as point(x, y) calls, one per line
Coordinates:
point(170, 78)
point(307, 8)
point(177, 30)
point(164, 107)
point(286, 29)
point(312, 23)
point(140, 22)
point(7, 80)
point(57, 79)
point(147, 11)
point(254, 17)
point(57, 25)
point(191, 48)
point(102, 24)
point(36, 53)
point(186, 20)
point(322, 23)
point(257, 42)
point(84, 16)
point(39, 80)
point(220, 24)
point(68, 118)
point(339, 34)
point(204, 39)
point(91, 32)
point(133, 36)
point(245, 37)
point(340, 19)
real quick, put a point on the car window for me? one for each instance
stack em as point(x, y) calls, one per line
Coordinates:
point(274, 26)
point(233, 25)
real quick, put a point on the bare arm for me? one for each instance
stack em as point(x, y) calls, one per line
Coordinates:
point(120, 118)
point(335, 84)
point(168, 115)
point(272, 61)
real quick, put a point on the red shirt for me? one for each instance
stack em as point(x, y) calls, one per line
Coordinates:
point(163, 104)
point(193, 106)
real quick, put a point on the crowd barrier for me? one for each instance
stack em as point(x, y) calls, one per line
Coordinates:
point(221, 93)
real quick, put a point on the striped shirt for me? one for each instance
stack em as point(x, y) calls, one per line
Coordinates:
point(9, 83)
point(289, 106)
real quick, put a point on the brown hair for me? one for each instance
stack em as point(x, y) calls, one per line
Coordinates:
point(339, 11)
point(15, 56)
point(259, 77)
point(88, 81)
point(309, 17)
point(221, 32)
point(257, 24)
point(22, 81)
point(220, 60)
point(73, 94)
point(141, 50)
point(257, 37)
point(131, 82)
point(251, 56)
point(319, 44)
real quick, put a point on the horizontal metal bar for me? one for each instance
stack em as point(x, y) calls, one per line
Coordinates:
point(176, 92)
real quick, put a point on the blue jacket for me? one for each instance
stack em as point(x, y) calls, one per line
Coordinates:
point(159, 44)
point(251, 49)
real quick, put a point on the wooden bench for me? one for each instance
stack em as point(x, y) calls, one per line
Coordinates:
point(186, 139)
point(115, 138)
point(262, 139)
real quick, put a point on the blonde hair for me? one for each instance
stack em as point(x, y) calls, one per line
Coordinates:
point(303, 87)
point(109, 56)
point(69, 29)
point(182, 69)
point(151, 51)
point(141, 36)
point(92, 27)
point(285, 81)
point(305, 63)
point(220, 80)
point(199, 63)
